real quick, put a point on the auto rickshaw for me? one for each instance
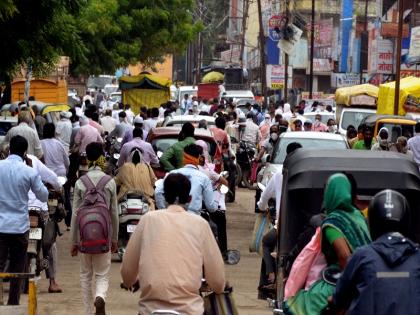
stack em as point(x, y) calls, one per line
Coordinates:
point(305, 174)
point(397, 125)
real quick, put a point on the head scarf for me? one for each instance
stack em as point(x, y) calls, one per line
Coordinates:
point(99, 162)
point(286, 108)
point(189, 159)
point(337, 194)
point(387, 131)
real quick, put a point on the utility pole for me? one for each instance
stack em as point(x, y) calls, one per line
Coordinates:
point(262, 53)
point(365, 27)
point(286, 59)
point(311, 66)
point(399, 43)
point(244, 18)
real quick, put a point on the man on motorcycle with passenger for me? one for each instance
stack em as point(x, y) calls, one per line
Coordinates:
point(201, 187)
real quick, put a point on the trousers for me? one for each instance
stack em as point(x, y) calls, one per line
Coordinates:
point(14, 247)
point(219, 218)
point(94, 267)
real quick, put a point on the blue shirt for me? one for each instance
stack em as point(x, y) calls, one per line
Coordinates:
point(16, 180)
point(201, 189)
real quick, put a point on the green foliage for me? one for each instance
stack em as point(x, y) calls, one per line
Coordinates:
point(119, 32)
point(98, 35)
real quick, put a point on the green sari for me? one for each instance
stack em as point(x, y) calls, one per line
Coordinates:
point(350, 223)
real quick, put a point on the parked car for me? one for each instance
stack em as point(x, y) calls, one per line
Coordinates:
point(178, 121)
point(238, 95)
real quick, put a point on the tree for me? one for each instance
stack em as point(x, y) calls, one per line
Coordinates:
point(117, 33)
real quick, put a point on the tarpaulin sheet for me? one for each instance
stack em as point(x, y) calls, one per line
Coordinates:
point(343, 95)
point(144, 97)
point(408, 86)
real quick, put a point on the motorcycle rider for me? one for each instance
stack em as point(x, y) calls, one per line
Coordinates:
point(47, 177)
point(201, 188)
point(270, 143)
point(382, 277)
point(135, 175)
point(170, 251)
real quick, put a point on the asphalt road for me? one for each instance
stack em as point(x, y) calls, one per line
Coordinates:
point(244, 276)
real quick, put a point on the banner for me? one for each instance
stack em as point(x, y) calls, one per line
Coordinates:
point(339, 80)
point(414, 51)
point(323, 37)
point(275, 76)
point(288, 46)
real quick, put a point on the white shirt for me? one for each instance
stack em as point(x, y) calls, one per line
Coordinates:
point(47, 176)
point(252, 132)
point(130, 116)
point(414, 146)
point(55, 156)
point(150, 123)
point(273, 190)
point(115, 113)
point(108, 123)
point(63, 132)
point(161, 112)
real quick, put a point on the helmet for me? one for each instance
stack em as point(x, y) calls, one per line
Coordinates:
point(388, 212)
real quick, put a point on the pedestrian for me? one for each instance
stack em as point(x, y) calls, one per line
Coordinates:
point(18, 178)
point(251, 132)
point(173, 158)
point(121, 128)
point(86, 134)
point(169, 272)
point(319, 125)
point(152, 121)
point(64, 129)
point(148, 154)
point(414, 144)
point(55, 155)
point(297, 124)
point(382, 278)
point(39, 121)
point(94, 266)
point(307, 125)
point(23, 129)
point(383, 143)
point(367, 142)
point(138, 124)
point(107, 122)
point(129, 113)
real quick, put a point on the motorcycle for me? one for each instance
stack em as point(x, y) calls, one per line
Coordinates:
point(244, 161)
point(130, 211)
point(114, 146)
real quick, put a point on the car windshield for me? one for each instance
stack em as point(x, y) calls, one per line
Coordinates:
point(317, 144)
point(398, 130)
point(163, 144)
point(324, 118)
point(353, 118)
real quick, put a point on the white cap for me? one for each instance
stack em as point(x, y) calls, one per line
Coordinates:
point(138, 120)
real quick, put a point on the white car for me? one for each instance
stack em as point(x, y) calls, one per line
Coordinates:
point(309, 140)
point(238, 95)
point(352, 116)
point(325, 116)
point(178, 121)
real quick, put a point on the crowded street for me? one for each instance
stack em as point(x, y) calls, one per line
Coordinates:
point(210, 157)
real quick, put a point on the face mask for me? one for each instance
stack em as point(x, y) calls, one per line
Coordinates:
point(383, 142)
point(332, 128)
point(274, 136)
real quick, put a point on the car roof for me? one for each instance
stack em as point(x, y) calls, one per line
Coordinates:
point(188, 88)
point(325, 113)
point(171, 131)
point(11, 119)
point(187, 118)
point(312, 135)
point(238, 93)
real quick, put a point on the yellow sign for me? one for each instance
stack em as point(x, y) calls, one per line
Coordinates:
point(277, 86)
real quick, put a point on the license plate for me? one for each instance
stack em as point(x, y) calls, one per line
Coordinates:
point(35, 233)
point(52, 202)
point(131, 228)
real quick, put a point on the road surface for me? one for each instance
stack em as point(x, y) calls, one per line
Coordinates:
point(244, 276)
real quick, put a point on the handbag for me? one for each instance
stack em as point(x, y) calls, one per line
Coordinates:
point(220, 304)
point(261, 227)
point(309, 259)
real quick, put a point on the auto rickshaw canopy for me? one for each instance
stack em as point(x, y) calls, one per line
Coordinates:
point(408, 86)
point(305, 174)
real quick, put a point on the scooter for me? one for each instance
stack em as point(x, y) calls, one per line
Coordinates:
point(130, 210)
point(244, 159)
point(114, 145)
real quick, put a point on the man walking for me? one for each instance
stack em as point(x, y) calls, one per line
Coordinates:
point(18, 178)
point(414, 144)
point(94, 265)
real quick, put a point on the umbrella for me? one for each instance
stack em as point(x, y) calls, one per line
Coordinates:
point(212, 77)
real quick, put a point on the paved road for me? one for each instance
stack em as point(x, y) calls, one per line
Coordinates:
point(244, 276)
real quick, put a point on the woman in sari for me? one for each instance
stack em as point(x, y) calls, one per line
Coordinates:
point(343, 230)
